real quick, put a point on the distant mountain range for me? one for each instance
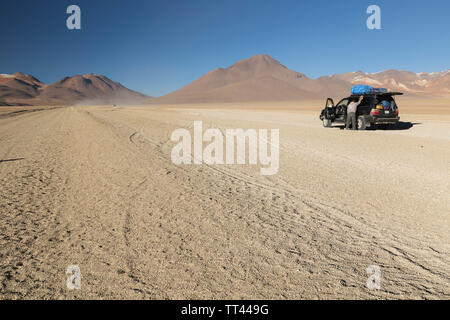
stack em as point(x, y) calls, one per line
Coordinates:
point(436, 83)
point(262, 78)
point(24, 89)
point(259, 78)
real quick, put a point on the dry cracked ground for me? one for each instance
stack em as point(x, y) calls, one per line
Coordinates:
point(95, 187)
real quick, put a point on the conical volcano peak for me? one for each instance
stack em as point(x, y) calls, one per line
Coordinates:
point(262, 62)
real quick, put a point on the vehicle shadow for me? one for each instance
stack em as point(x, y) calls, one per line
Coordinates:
point(401, 125)
point(10, 160)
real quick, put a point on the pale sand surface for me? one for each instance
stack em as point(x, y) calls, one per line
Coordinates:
point(95, 187)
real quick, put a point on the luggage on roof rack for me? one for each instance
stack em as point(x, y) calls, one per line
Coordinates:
point(380, 90)
point(362, 89)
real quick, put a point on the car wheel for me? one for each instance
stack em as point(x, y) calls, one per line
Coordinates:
point(326, 123)
point(362, 123)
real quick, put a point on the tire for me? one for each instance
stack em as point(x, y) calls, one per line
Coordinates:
point(362, 125)
point(326, 123)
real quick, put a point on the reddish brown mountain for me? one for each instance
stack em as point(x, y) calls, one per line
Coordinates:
point(260, 78)
point(20, 88)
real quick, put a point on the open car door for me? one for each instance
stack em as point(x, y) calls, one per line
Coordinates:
point(330, 103)
point(328, 113)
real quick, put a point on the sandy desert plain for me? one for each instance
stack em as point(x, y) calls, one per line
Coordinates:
point(95, 186)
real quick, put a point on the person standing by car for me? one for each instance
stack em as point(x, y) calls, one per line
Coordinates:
point(351, 113)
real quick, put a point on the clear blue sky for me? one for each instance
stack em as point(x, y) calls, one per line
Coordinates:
point(158, 46)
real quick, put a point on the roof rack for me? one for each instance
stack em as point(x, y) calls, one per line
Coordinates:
point(378, 94)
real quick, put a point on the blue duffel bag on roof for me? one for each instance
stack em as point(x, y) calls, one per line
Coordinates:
point(362, 89)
